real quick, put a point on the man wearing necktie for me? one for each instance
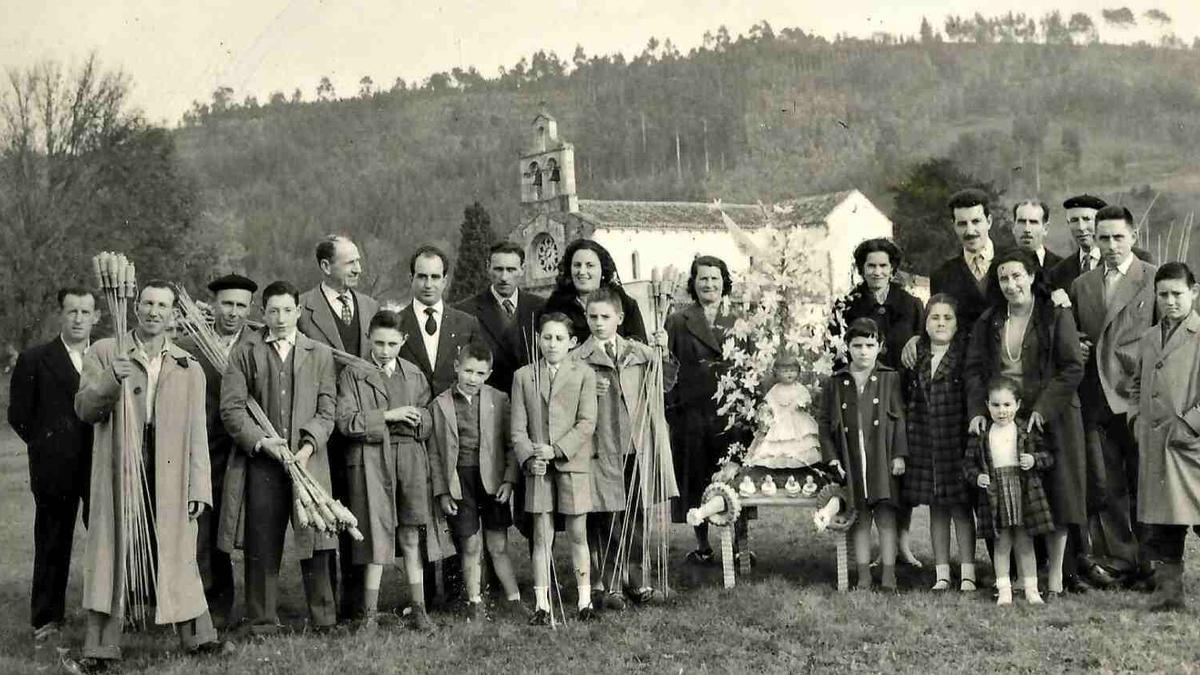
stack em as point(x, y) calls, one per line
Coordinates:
point(336, 315)
point(1081, 220)
point(1114, 305)
point(433, 335)
point(506, 313)
point(966, 277)
point(1031, 220)
point(42, 412)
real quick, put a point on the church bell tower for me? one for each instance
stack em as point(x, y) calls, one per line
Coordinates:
point(547, 169)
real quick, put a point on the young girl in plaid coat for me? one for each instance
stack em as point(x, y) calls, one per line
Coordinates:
point(937, 435)
point(1006, 463)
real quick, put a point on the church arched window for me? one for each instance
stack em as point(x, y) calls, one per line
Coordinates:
point(536, 172)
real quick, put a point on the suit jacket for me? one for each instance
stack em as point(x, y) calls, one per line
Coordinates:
point(954, 277)
point(1168, 421)
point(564, 415)
point(220, 444)
point(457, 329)
point(510, 343)
point(1051, 261)
point(317, 320)
point(497, 464)
point(1069, 269)
point(698, 349)
point(41, 410)
point(314, 406)
point(1114, 331)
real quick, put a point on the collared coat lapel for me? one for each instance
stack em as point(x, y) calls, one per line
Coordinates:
point(318, 311)
point(697, 325)
point(58, 361)
point(414, 346)
point(491, 317)
point(1127, 288)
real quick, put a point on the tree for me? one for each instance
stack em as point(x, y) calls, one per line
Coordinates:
point(399, 85)
point(471, 269)
point(366, 87)
point(325, 89)
point(222, 99)
point(1054, 31)
point(297, 95)
point(1121, 18)
point(1081, 26)
point(922, 221)
point(1157, 16)
point(926, 32)
point(81, 173)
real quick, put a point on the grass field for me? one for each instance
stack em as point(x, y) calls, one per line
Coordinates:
point(786, 618)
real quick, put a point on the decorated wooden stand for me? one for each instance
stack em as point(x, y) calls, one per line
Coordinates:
point(722, 505)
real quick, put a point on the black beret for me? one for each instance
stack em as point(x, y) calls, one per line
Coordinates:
point(1085, 201)
point(229, 281)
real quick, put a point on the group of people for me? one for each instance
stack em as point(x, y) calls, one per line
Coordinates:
point(1046, 404)
point(438, 427)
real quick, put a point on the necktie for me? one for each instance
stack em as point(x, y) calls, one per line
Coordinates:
point(1088, 263)
point(347, 307)
point(1112, 275)
point(430, 322)
point(509, 307)
point(978, 268)
point(611, 350)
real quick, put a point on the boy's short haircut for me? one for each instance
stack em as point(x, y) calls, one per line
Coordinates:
point(555, 317)
point(604, 294)
point(280, 288)
point(385, 318)
point(863, 328)
point(1175, 271)
point(475, 349)
point(1004, 383)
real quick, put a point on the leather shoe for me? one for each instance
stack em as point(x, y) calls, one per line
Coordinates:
point(540, 618)
point(1100, 577)
point(1077, 584)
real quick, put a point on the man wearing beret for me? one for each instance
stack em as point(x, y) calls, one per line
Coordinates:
point(1081, 219)
point(232, 296)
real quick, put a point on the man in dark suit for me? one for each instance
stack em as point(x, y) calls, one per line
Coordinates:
point(1031, 221)
point(967, 276)
point(336, 315)
point(433, 335)
point(233, 295)
point(42, 412)
point(505, 313)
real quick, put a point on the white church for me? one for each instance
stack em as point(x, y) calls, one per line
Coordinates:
point(643, 235)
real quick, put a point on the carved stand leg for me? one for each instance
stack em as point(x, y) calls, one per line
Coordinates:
point(727, 556)
point(742, 534)
point(843, 561)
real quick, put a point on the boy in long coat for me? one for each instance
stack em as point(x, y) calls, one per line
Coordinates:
point(382, 413)
point(632, 444)
point(163, 388)
point(292, 377)
point(1167, 425)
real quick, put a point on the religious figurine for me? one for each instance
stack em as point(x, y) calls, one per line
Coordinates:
point(789, 438)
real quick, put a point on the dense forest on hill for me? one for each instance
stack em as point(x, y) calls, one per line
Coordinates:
point(763, 116)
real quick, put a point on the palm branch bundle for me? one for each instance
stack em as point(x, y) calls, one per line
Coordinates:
point(312, 506)
point(136, 555)
point(650, 472)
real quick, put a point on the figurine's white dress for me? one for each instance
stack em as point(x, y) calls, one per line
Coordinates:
point(791, 440)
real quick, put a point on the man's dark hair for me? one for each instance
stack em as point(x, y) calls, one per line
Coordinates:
point(161, 284)
point(1114, 212)
point(965, 199)
point(506, 246)
point(429, 251)
point(78, 291)
point(280, 288)
point(1031, 202)
point(327, 247)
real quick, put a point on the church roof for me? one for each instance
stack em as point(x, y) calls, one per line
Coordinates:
point(810, 210)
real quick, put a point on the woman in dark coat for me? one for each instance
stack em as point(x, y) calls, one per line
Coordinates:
point(937, 434)
point(1027, 337)
point(898, 315)
point(698, 437)
point(585, 267)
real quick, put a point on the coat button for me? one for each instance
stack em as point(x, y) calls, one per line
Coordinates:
point(875, 401)
point(137, 390)
point(873, 378)
point(876, 422)
point(1158, 366)
point(843, 406)
point(845, 383)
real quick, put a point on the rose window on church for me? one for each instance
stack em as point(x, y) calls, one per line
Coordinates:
point(545, 251)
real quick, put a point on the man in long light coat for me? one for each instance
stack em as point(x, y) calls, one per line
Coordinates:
point(155, 391)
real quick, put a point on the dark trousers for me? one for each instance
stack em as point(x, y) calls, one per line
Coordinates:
point(341, 567)
point(268, 510)
point(452, 576)
point(53, 532)
point(216, 568)
point(1164, 543)
point(1113, 537)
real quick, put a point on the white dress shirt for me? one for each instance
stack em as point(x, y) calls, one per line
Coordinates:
point(431, 341)
point(335, 301)
point(153, 371)
point(500, 298)
point(282, 343)
point(76, 356)
point(979, 262)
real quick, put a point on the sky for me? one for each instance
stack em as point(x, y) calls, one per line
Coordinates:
point(179, 51)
